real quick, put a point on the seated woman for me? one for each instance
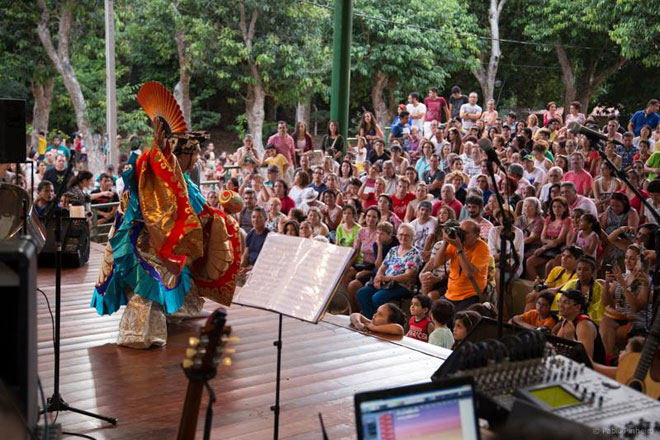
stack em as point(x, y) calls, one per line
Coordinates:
point(396, 276)
point(388, 319)
point(576, 325)
point(314, 217)
point(626, 300)
point(553, 237)
point(385, 240)
point(557, 277)
point(591, 289)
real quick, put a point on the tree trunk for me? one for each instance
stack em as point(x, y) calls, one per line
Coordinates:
point(582, 87)
point(381, 110)
point(254, 109)
point(43, 96)
point(303, 110)
point(182, 88)
point(487, 74)
point(61, 61)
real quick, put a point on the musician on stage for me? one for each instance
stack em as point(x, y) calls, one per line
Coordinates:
point(168, 247)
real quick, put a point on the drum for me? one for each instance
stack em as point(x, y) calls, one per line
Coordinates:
point(12, 198)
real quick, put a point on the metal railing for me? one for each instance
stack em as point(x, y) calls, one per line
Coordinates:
point(99, 231)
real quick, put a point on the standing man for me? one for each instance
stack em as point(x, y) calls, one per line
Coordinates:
point(456, 100)
point(468, 258)
point(417, 111)
point(255, 238)
point(470, 112)
point(57, 173)
point(284, 144)
point(436, 107)
point(649, 116)
point(245, 216)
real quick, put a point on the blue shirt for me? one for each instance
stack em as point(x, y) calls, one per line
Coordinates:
point(641, 118)
point(254, 242)
point(627, 156)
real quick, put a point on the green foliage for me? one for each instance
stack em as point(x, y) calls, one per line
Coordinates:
point(417, 46)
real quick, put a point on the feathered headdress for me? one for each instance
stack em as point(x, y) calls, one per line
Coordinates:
point(157, 101)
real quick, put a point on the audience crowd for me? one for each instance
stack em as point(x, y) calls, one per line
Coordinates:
point(417, 203)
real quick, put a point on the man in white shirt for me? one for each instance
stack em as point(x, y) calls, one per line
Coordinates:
point(532, 173)
point(470, 112)
point(417, 111)
point(424, 224)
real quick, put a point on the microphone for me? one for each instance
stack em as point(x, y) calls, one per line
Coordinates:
point(487, 147)
point(575, 127)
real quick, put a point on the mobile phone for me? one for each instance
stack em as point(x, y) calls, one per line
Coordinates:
point(608, 268)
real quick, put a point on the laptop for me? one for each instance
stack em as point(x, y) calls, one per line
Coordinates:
point(435, 410)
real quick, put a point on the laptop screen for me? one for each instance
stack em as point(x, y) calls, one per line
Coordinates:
point(425, 412)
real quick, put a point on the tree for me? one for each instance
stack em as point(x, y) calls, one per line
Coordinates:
point(272, 48)
point(60, 58)
point(593, 39)
point(486, 71)
point(419, 47)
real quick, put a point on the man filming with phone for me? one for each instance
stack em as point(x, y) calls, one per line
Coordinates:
point(468, 257)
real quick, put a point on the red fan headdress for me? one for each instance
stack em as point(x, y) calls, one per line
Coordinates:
point(157, 101)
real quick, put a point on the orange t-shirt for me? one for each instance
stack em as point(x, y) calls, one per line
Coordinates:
point(459, 286)
point(532, 318)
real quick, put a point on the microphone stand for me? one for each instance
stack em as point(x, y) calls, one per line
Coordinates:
point(56, 403)
point(621, 174)
point(506, 235)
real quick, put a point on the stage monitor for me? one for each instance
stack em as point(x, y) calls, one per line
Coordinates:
point(444, 409)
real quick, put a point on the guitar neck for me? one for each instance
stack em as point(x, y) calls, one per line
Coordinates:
point(188, 424)
point(648, 351)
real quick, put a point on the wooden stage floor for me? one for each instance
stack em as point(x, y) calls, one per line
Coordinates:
point(323, 366)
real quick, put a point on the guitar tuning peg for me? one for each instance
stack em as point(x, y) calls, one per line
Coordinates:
point(201, 350)
point(226, 362)
point(197, 362)
point(232, 339)
point(204, 339)
point(187, 363)
point(193, 341)
point(230, 350)
point(190, 353)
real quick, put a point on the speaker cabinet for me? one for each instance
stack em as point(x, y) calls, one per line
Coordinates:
point(12, 131)
point(18, 326)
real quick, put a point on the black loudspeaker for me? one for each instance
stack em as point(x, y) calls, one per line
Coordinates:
point(12, 131)
point(18, 325)
point(75, 243)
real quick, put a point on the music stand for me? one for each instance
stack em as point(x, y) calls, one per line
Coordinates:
point(56, 403)
point(296, 277)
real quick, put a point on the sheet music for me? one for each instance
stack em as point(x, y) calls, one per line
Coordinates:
point(294, 276)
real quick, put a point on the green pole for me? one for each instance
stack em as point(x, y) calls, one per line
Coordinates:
point(341, 64)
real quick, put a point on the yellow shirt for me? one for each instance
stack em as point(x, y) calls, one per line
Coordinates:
point(278, 160)
point(596, 308)
point(42, 145)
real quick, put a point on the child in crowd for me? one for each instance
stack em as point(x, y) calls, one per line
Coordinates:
point(588, 236)
point(45, 194)
point(464, 322)
point(634, 345)
point(442, 312)
point(538, 317)
point(348, 229)
point(420, 325)
point(388, 319)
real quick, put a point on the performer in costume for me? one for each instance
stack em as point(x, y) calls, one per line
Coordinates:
point(168, 247)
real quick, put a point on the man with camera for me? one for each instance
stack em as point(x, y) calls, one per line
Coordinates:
point(468, 258)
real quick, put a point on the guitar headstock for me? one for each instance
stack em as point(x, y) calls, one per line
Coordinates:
point(205, 353)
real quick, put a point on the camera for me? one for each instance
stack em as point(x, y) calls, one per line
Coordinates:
point(540, 287)
point(454, 232)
